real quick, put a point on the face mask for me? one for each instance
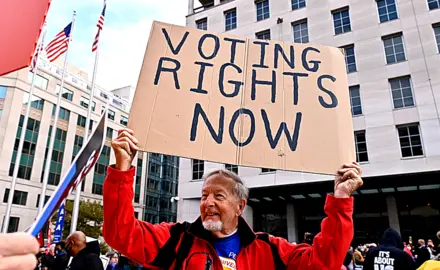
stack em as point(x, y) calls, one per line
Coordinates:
point(112, 264)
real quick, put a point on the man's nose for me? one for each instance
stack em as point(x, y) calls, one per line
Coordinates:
point(209, 202)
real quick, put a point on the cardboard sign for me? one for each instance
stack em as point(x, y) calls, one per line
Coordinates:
point(239, 101)
point(83, 163)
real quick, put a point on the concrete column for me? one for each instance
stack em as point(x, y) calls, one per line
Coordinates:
point(248, 215)
point(393, 217)
point(190, 7)
point(292, 225)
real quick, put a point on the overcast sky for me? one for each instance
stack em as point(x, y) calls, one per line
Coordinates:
point(123, 40)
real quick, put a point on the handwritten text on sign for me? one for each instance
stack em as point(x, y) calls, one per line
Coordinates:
point(241, 101)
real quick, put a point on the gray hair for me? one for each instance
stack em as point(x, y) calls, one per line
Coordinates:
point(241, 191)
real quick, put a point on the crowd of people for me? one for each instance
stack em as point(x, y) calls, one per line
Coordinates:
point(391, 251)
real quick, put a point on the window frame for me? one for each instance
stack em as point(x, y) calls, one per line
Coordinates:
point(392, 36)
point(203, 22)
point(298, 3)
point(232, 168)
point(199, 172)
point(300, 23)
point(267, 171)
point(401, 92)
point(263, 33)
point(350, 88)
point(436, 37)
point(433, 1)
point(263, 16)
point(233, 24)
point(356, 142)
point(350, 46)
point(388, 13)
point(409, 135)
point(69, 92)
point(341, 10)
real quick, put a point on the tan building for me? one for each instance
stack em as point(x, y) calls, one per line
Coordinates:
point(392, 60)
point(14, 89)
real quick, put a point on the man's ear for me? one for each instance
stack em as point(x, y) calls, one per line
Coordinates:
point(241, 206)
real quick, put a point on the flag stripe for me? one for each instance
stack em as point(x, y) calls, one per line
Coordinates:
point(100, 25)
point(59, 44)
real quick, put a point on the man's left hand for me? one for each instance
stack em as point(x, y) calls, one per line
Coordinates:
point(348, 180)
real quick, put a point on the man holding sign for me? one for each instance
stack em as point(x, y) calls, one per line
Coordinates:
point(220, 238)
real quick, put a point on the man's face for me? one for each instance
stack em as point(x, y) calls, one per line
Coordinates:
point(219, 206)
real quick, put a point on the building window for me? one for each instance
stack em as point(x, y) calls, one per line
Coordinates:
point(266, 170)
point(350, 59)
point(202, 24)
point(433, 4)
point(101, 170)
point(262, 10)
point(57, 157)
point(297, 4)
point(29, 146)
point(85, 103)
point(232, 168)
point(387, 10)
point(361, 146)
point(111, 115)
point(410, 141)
point(402, 92)
point(300, 32)
point(46, 198)
point(3, 90)
point(394, 49)
point(341, 21)
point(137, 188)
point(265, 35)
point(13, 224)
point(109, 133)
point(136, 215)
point(355, 100)
point(77, 145)
point(437, 35)
point(36, 102)
point(40, 81)
point(198, 169)
point(67, 94)
point(124, 120)
point(64, 113)
point(230, 19)
point(20, 197)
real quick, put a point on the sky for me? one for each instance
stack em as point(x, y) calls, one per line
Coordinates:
point(124, 37)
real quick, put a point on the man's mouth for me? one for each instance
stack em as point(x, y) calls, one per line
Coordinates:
point(211, 214)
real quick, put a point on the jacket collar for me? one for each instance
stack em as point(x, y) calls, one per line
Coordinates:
point(247, 235)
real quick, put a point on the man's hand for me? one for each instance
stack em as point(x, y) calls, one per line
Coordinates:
point(17, 251)
point(348, 180)
point(125, 147)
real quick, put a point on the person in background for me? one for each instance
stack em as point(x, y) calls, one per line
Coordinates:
point(17, 251)
point(348, 261)
point(114, 259)
point(220, 238)
point(422, 253)
point(407, 249)
point(76, 246)
point(358, 259)
point(431, 249)
point(389, 254)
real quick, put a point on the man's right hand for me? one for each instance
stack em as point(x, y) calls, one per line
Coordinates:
point(125, 147)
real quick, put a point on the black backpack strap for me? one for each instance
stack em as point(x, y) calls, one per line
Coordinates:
point(183, 251)
point(279, 265)
point(167, 254)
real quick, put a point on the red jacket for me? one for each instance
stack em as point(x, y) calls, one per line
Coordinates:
point(142, 241)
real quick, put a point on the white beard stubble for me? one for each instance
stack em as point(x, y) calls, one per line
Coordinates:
point(213, 226)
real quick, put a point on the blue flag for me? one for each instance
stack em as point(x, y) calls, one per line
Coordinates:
point(58, 235)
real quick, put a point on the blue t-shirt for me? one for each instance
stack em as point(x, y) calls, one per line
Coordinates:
point(227, 249)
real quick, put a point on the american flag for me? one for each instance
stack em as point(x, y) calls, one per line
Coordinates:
point(100, 25)
point(59, 44)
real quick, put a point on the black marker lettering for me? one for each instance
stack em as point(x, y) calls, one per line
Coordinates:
point(292, 140)
point(315, 63)
point(262, 54)
point(199, 88)
point(218, 137)
point(272, 83)
point(161, 68)
point(295, 77)
point(175, 51)
point(232, 126)
point(279, 49)
point(328, 92)
point(221, 80)
point(234, 47)
point(216, 46)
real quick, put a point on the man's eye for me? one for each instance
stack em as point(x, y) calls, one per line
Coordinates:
point(220, 196)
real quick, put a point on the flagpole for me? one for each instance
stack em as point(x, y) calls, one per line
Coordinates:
point(22, 135)
point(75, 212)
point(54, 127)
